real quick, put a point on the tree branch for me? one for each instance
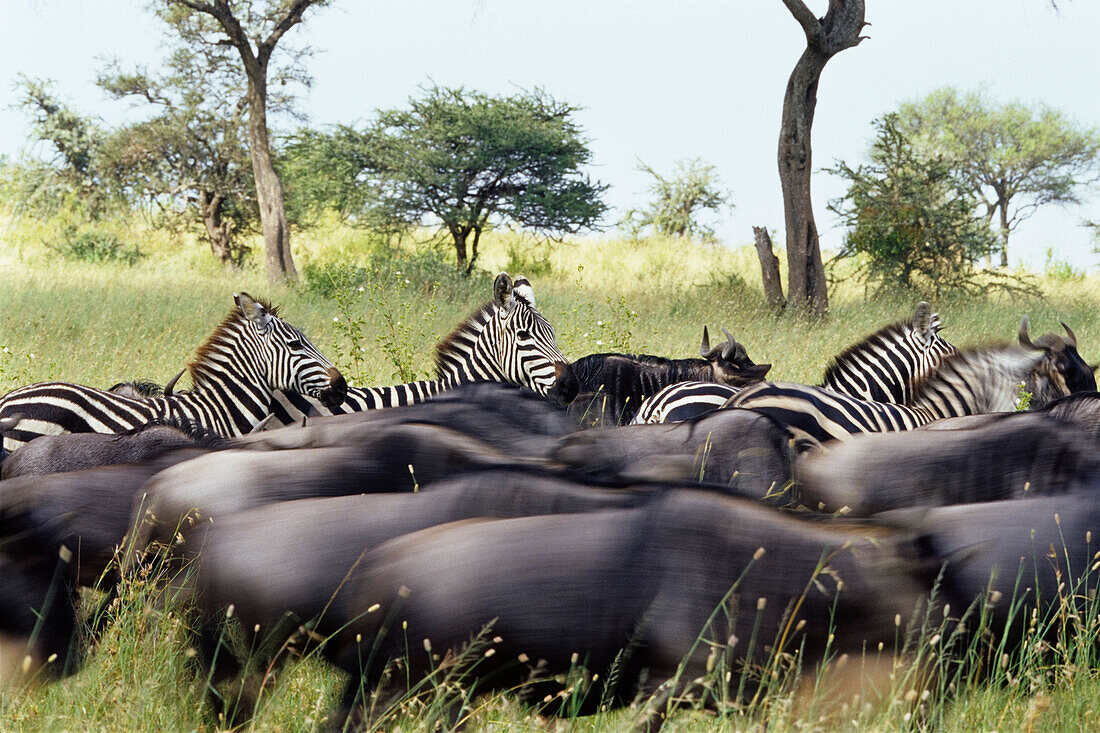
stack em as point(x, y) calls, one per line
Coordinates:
point(291, 19)
point(811, 26)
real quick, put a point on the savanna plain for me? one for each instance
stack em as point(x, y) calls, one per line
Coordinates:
point(377, 308)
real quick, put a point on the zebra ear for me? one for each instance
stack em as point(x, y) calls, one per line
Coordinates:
point(253, 311)
point(502, 289)
point(922, 319)
point(522, 291)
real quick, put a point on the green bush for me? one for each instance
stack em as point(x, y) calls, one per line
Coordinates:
point(95, 245)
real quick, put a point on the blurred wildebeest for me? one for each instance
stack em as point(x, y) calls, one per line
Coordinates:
point(649, 598)
point(37, 617)
point(281, 586)
point(390, 458)
point(506, 417)
point(1063, 372)
point(1020, 455)
point(1014, 556)
point(1081, 409)
point(76, 451)
point(617, 384)
point(740, 449)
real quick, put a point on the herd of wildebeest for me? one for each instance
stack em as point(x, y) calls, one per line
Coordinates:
point(490, 538)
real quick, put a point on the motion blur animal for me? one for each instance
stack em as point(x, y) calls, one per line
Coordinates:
point(617, 384)
point(650, 598)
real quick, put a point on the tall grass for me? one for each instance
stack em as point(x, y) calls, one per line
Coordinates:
point(102, 322)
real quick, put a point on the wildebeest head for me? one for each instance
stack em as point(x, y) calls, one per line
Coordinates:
point(730, 361)
point(1061, 372)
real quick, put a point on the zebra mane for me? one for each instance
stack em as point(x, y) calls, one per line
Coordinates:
point(465, 332)
point(226, 329)
point(887, 334)
point(993, 371)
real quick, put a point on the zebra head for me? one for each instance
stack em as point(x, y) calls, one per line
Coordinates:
point(1060, 372)
point(286, 358)
point(508, 340)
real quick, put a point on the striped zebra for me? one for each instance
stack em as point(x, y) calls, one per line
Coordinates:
point(884, 367)
point(251, 355)
point(505, 340)
point(969, 382)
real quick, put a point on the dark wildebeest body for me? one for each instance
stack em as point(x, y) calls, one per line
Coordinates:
point(500, 415)
point(1018, 455)
point(582, 588)
point(1039, 551)
point(89, 511)
point(616, 385)
point(282, 565)
point(75, 451)
point(35, 595)
point(740, 449)
point(1081, 409)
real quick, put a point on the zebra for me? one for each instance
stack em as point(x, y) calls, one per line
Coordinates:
point(972, 381)
point(235, 372)
point(884, 367)
point(505, 340)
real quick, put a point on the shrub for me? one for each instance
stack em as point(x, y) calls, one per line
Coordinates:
point(95, 245)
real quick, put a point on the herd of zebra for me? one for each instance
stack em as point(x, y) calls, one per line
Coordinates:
point(602, 510)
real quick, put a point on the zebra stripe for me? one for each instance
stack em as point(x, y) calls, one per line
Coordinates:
point(506, 340)
point(970, 382)
point(887, 365)
point(249, 355)
point(884, 367)
point(683, 401)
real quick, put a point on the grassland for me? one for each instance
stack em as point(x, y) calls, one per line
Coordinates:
point(100, 323)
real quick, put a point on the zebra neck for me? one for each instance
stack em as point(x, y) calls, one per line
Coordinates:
point(225, 390)
point(973, 382)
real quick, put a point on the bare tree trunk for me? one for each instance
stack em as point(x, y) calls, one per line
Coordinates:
point(473, 250)
point(825, 38)
point(1004, 233)
point(218, 231)
point(769, 268)
point(459, 236)
point(269, 189)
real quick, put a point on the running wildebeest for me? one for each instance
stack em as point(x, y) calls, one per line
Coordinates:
point(618, 384)
point(741, 449)
point(75, 451)
point(37, 617)
point(649, 598)
point(282, 586)
point(1017, 455)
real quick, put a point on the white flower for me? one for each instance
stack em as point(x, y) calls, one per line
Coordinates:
point(406, 281)
point(336, 319)
point(360, 288)
point(599, 323)
point(599, 343)
point(30, 356)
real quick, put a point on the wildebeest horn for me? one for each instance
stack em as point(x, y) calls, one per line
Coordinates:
point(731, 345)
point(1025, 340)
point(1069, 332)
point(172, 383)
point(705, 348)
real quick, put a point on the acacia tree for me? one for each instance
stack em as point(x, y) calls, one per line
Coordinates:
point(189, 159)
point(678, 201)
point(825, 37)
point(253, 32)
point(1015, 159)
point(910, 217)
point(463, 161)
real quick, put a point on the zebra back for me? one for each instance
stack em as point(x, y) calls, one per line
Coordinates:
point(234, 372)
point(683, 401)
point(505, 340)
point(969, 382)
point(887, 365)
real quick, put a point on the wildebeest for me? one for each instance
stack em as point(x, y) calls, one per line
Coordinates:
point(1032, 563)
point(282, 565)
point(650, 599)
point(76, 451)
point(37, 617)
point(1016, 455)
point(617, 384)
point(748, 452)
point(1063, 372)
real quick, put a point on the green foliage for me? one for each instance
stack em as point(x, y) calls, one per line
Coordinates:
point(909, 216)
point(94, 245)
point(461, 161)
point(1060, 269)
point(1012, 157)
point(679, 200)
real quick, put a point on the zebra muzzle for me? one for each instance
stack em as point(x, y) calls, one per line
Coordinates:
point(337, 389)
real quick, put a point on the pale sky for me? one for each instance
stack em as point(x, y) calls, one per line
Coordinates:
point(658, 81)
